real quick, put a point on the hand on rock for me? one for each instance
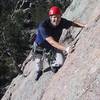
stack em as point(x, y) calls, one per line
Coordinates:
point(69, 49)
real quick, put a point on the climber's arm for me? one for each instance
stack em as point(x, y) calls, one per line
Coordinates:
point(57, 45)
point(78, 24)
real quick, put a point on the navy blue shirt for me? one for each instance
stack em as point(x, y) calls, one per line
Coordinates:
point(46, 29)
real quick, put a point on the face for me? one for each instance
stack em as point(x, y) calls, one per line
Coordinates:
point(55, 19)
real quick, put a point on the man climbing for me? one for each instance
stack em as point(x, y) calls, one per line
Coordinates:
point(48, 35)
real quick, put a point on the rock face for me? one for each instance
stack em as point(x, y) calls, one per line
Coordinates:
point(79, 78)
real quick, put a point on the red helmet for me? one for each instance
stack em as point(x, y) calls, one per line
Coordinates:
point(54, 11)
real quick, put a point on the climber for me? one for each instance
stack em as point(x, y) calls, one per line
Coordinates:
point(48, 35)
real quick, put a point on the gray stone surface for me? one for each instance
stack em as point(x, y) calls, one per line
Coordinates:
point(79, 78)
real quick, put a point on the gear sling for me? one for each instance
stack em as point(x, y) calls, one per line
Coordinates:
point(54, 57)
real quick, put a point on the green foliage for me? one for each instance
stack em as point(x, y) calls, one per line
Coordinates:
point(3, 68)
point(14, 42)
